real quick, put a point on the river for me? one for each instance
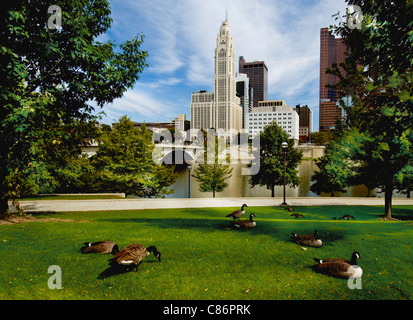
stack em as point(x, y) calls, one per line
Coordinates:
point(239, 186)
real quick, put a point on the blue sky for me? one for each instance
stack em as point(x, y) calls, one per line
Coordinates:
point(180, 37)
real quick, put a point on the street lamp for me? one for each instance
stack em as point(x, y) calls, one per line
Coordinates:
point(189, 162)
point(189, 180)
point(284, 145)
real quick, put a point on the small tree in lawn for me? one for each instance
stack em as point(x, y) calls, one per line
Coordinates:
point(271, 172)
point(212, 176)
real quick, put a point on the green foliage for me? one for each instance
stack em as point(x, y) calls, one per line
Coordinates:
point(336, 167)
point(378, 79)
point(211, 175)
point(124, 163)
point(321, 138)
point(49, 78)
point(271, 172)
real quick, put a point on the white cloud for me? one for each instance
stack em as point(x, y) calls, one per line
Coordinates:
point(141, 104)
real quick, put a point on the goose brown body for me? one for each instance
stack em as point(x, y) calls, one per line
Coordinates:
point(101, 247)
point(237, 213)
point(340, 268)
point(133, 255)
point(245, 224)
point(309, 240)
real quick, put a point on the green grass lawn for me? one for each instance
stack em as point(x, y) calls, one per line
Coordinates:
point(202, 258)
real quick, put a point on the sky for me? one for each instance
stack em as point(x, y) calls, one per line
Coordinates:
point(180, 38)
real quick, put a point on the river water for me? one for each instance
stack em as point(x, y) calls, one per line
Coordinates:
point(239, 186)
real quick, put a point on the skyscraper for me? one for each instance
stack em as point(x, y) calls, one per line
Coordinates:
point(220, 109)
point(257, 72)
point(331, 51)
point(245, 93)
point(306, 122)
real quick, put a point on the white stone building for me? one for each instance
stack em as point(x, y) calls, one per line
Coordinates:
point(221, 109)
point(267, 112)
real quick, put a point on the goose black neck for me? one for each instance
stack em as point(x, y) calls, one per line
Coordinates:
point(353, 259)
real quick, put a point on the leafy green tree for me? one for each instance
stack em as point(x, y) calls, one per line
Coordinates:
point(379, 80)
point(321, 138)
point(124, 163)
point(212, 172)
point(271, 171)
point(211, 177)
point(336, 169)
point(50, 76)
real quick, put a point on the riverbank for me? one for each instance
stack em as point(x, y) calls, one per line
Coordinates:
point(140, 204)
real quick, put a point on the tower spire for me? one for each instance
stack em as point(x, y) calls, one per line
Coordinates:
point(226, 15)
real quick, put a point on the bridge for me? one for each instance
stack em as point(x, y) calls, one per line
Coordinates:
point(180, 154)
point(170, 153)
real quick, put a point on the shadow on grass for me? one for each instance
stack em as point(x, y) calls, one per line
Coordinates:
point(119, 269)
point(112, 271)
point(279, 231)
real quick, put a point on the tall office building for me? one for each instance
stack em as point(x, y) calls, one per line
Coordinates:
point(245, 93)
point(306, 122)
point(221, 109)
point(331, 51)
point(257, 72)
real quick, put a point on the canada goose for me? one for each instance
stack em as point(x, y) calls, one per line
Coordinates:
point(289, 209)
point(100, 247)
point(246, 223)
point(297, 215)
point(346, 217)
point(133, 255)
point(237, 213)
point(340, 268)
point(307, 239)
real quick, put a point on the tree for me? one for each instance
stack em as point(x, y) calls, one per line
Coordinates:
point(212, 173)
point(321, 138)
point(123, 163)
point(49, 77)
point(336, 169)
point(380, 59)
point(211, 177)
point(271, 171)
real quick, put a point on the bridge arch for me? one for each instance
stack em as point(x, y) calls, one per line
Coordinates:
point(177, 156)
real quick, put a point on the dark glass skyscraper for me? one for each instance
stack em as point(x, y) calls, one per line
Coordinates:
point(331, 51)
point(257, 73)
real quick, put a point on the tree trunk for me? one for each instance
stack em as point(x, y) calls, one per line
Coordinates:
point(4, 207)
point(213, 193)
point(388, 193)
point(273, 191)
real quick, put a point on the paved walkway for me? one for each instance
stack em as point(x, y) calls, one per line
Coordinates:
point(136, 204)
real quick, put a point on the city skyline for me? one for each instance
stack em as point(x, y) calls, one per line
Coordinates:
point(180, 39)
